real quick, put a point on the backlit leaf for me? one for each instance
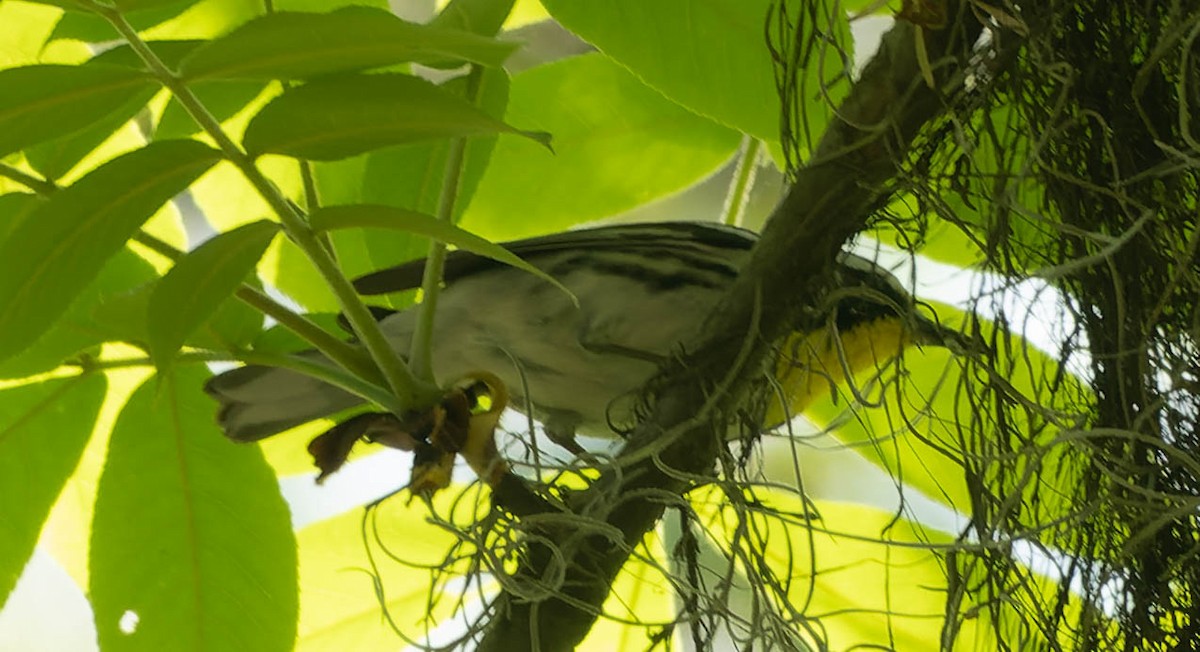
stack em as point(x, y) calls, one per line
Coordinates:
point(192, 546)
point(44, 102)
point(200, 282)
point(337, 117)
point(61, 246)
point(292, 45)
point(43, 430)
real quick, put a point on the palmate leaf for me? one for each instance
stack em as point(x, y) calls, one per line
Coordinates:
point(63, 244)
point(337, 117)
point(191, 543)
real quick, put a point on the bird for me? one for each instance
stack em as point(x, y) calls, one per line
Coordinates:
point(641, 289)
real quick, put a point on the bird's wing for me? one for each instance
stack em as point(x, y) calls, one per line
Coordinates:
point(625, 237)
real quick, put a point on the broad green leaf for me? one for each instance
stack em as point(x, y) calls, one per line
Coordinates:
point(192, 546)
point(69, 527)
point(289, 45)
point(66, 241)
point(868, 7)
point(199, 283)
point(484, 17)
point(618, 144)
point(387, 217)
point(339, 606)
point(15, 207)
point(43, 430)
point(337, 117)
point(55, 158)
point(875, 578)
point(526, 12)
point(711, 56)
point(916, 426)
point(79, 330)
point(641, 602)
point(44, 102)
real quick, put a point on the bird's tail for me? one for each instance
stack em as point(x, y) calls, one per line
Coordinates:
point(257, 402)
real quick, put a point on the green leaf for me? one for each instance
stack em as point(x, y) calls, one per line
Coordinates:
point(618, 144)
point(708, 55)
point(192, 548)
point(406, 176)
point(44, 102)
point(55, 158)
point(289, 45)
point(66, 241)
point(125, 6)
point(872, 7)
point(333, 118)
point(387, 217)
point(341, 609)
point(141, 5)
point(484, 17)
point(91, 28)
point(232, 326)
point(43, 430)
point(199, 282)
point(15, 207)
point(911, 426)
point(122, 317)
point(80, 329)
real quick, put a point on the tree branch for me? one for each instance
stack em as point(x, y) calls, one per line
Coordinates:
point(677, 444)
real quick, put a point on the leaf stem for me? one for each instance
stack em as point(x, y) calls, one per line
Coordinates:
point(344, 354)
point(410, 391)
point(420, 354)
point(40, 186)
point(336, 377)
point(734, 212)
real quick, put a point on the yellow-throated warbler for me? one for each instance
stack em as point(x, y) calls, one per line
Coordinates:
point(642, 289)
